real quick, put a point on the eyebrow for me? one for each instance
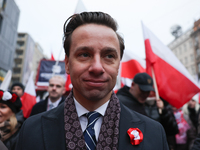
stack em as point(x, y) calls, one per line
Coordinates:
point(84, 48)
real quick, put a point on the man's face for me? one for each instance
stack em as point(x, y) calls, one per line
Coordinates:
point(191, 103)
point(140, 95)
point(18, 90)
point(56, 89)
point(93, 63)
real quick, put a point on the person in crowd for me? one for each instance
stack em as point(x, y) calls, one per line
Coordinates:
point(137, 98)
point(56, 89)
point(190, 111)
point(92, 116)
point(17, 88)
point(196, 145)
point(10, 104)
point(183, 126)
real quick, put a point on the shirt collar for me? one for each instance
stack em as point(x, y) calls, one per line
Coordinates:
point(82, 110)
point(54, 103)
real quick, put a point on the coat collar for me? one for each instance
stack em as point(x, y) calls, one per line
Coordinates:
point(129, 119)
point(53, 128)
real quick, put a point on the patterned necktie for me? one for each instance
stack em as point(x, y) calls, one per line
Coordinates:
point(51, 106)
point(89, 135)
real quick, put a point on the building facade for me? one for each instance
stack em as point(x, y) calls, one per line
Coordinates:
point(196, 42)
point(183, 48)
point(27, 57)
point(9, 18)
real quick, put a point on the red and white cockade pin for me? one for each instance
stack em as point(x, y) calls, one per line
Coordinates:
point(136, 136)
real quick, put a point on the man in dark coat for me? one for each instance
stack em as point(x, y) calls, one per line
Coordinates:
point(135, 98)
point(56, 89)
point(92, 116)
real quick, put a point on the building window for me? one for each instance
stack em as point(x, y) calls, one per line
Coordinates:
point(15, 80)
point(199, 67)
point(20, 35)
point(185, 47)
point(181, 61)
point(19, 52)
point(17, 70)
point(191, 57)
point(196, 41)
point(193, 70)
point(191, 43)
point(186, 60)
point(198, 52)
point(20, 43)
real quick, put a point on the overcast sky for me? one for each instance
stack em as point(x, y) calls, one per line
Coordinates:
point(44, 19)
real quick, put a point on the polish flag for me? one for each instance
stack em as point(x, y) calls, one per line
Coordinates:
point(174, 82)
point(29, 98)
point(52, 57)
point(131, 64)
point(68, 84)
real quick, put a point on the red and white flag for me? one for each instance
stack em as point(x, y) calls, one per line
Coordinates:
point(52, 57)
point(131, 64)
point(29, 98)
point(174, 82)
point(68, 84)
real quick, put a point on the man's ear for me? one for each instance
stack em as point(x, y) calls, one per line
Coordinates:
point(67, 64)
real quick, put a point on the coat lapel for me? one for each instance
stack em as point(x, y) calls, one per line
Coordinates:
point(129, 119)
point(53, 129)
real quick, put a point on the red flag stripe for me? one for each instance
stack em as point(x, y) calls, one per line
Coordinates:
point(130, 68)
point(28, 101)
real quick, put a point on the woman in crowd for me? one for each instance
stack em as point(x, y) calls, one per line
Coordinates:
point(10, 104)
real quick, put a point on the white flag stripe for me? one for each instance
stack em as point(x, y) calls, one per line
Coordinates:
point(5, 84)
point(30, 87)
point(128, 55)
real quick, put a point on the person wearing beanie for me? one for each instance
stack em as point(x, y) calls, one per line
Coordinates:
point(10, 104)
point(18, 88)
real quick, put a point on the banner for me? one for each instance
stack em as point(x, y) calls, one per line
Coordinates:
point(46, 70)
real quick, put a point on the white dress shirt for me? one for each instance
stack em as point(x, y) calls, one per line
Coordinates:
point(83, 119)
point(55, 104)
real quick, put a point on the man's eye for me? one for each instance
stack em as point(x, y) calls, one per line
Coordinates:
point(84, 55)
point(110, 56)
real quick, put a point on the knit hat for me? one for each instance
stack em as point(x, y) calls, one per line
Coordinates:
point(17, 84)
point(11, 100)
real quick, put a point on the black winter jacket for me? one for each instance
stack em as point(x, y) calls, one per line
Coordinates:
point(167, 118)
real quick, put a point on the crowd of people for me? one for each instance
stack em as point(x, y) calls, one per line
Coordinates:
point(93, 116)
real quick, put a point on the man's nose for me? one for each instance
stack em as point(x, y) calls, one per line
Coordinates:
point(96, 66)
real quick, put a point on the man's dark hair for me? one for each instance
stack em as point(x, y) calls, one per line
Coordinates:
point(77, 20)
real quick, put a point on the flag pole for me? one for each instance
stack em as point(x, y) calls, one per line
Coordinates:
point(156, 88)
